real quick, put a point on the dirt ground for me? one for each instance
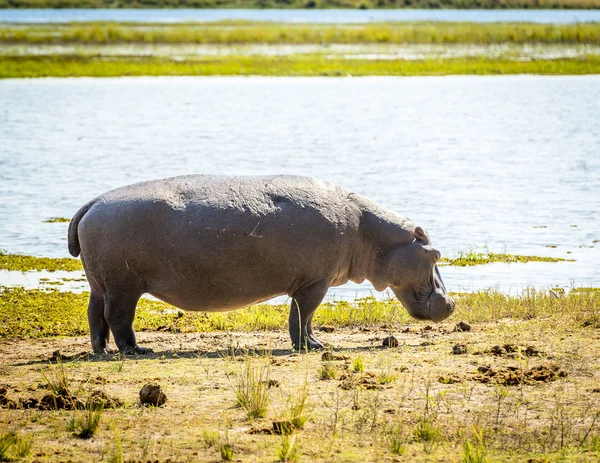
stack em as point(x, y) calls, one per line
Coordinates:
point(513, 391)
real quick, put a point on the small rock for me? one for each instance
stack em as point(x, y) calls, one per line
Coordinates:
point(462, 326)
point(428, 328)
point(459, 349)
point(390, 341)
point(151, 394)
point(498, 350)
point(327, 329)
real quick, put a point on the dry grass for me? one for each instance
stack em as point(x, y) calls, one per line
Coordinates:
point(235, 33)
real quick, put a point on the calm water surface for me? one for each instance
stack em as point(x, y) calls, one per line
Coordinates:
point(511, 163)
point(299, 16)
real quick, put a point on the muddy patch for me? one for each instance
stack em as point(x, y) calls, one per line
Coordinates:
point(511, 351)
point(368, 381)
point(513, 376)
point(60, 400)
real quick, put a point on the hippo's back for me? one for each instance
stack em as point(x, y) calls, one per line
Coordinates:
point(210, 242)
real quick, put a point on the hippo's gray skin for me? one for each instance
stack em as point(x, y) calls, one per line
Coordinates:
point(212, 244)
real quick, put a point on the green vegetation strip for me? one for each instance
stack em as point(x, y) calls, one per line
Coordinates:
point(465, 259)
point(79, 66)
point(19, 262)
point(57, 220)
point(37, 313)
point(230, 33)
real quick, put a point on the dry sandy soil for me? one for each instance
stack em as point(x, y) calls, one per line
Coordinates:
point(530, 390)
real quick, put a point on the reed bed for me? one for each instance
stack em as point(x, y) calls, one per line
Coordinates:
point(228, 33)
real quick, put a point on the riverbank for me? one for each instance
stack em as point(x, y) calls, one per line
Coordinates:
point(505, 379)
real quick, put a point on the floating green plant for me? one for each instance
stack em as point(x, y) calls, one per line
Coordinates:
point(57, 220)
point(464, 259)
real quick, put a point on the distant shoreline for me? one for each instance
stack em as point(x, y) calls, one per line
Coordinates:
point(305, 4)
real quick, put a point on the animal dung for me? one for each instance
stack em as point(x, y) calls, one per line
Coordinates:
point(462, 326)
point(151, 394)
point(327, 329)
point(459, 349)
point(390, 341)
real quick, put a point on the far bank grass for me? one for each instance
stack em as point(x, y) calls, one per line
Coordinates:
point(245, 32)
point(23, 263)
point(305, 65)
point(37, 313)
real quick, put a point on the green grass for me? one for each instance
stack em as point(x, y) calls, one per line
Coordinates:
point(57, 220)
point(251, 387)
point(80, 66)
point(465, 259)
point(229, 33)
point(37, 313)
point(22, 263)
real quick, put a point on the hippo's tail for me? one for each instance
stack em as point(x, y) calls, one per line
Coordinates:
point(74, 248)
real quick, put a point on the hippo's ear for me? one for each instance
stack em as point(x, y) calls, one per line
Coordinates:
point(421, 235)
point(432, 253)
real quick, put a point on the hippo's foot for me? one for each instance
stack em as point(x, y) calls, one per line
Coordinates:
point(100, 350)
point(308, 344)
point(135, 350)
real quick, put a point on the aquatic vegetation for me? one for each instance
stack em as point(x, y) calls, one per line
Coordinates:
point(39, 313)
point(291, 65)
point(22, 263)
point(57, 220)
point(248, 32)
point(464, 259)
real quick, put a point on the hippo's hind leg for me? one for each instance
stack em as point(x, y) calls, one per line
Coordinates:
point(119, 311)
point(304, 303)
point(99, 331)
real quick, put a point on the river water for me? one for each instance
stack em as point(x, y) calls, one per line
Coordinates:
point(511, 163)
point(298, 16)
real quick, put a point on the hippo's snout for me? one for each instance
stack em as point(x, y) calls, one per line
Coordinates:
point(441, 307)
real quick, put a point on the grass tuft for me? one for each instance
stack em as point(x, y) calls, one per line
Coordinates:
point(397, 438)
point(85, 424)
point(358, 365)
point(252, 389)
point(288, 451)
point(327, 371)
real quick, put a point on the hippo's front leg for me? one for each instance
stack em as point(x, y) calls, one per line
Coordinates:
point(304, 303)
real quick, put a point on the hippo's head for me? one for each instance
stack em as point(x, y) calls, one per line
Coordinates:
point(411, 272)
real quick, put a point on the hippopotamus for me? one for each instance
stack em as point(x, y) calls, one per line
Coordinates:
point(217, 243)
